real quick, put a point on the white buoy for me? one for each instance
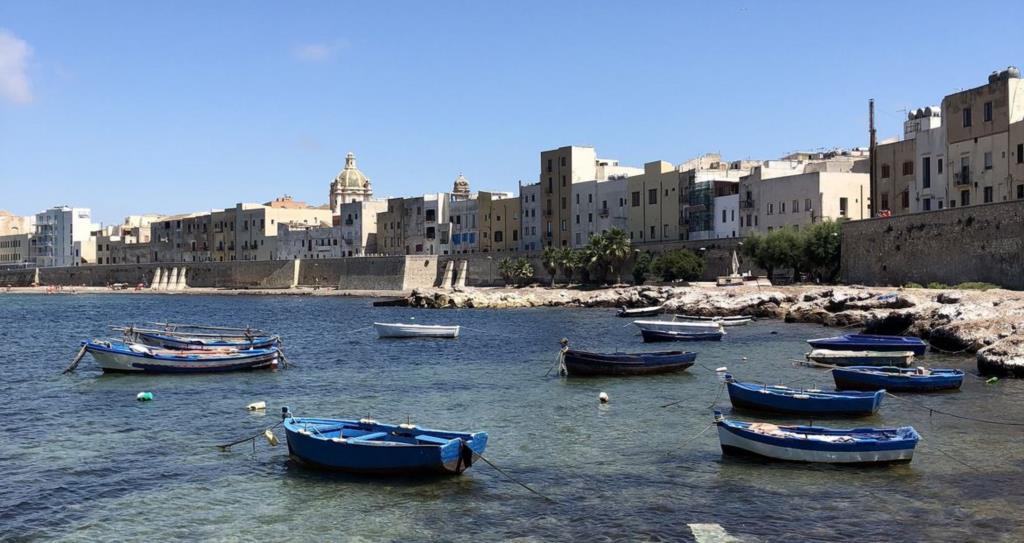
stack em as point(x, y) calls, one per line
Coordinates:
point(271, 438)
point(744, 358)
point(256, 406)
point(603, 397)
point(723, 368)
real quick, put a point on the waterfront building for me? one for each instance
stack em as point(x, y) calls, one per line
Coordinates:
point(15, 224)
point(464, 218)
point(358, 226)
point(791, 193)
point(726, 215)
point(307, 241)
point(14, 250)
point(703, 180)
point(984, 138)
point(559, 170)
point(654, 203)
point(597, 207)
point(350, 185)
point(532, 217)
point(127, 242)
point(63, 237)
point(499, 214)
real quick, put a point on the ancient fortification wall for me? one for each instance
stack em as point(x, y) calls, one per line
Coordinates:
point(979, 243)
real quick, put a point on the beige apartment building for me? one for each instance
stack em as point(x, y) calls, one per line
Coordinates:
point(894, 172)
point(14, 249)
point(980, 152)
point(499, 222)
point(654, 200)
point(786, 194)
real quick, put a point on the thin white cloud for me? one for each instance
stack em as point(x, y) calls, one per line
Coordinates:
point(14, 54)
point(319, 52)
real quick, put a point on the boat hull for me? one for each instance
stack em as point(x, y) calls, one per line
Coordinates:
point(677, 326)
point(113, 360)
point(724, 321)
point(415, 331)
point(789, 401)
point(862, 358)
point(187, 342)
point(580, 363)
point(640, 312)
point(656, 336)
point(737, 441)
point(868, 378)
point(867, 342)
point(348, 455)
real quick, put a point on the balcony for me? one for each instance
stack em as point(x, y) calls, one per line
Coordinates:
point(962, 178)
point(603, 213)
point(746, 204)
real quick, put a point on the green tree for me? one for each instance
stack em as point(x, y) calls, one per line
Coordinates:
point(680, 264)
point(594, 258)
point(549, 259)
point(782, 248)
point(641, 265)
point(516, 271)
point(568, 261)
point(617, 250)
point(822, 250)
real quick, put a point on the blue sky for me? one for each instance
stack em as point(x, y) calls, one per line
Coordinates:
point(133, 107)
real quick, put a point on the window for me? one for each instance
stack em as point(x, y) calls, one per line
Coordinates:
point(908, 168)
point(1020, 153)
point(988, 111)
point(938, 164)
point(988, 195)
point(771, 209)
point(652, 196)
point(782, 207)
point(549, 165)
point(563, 202)
point(967, 117)
point(590, 217)
point(636, 198)
point(654, 233)
point(988, 160)
point(563, 180)
point(807, 204)
point(926, 172)
point(1020, 192)
point(796, 206)
point(577, 199)
point(965, 198)
point(905, 199)
point(926, 204)
point(965, 170)
point(515, 235)
point(562, 161)
point(885, 171)
point(723, 217)
point(577, 218)
point(842, 207)
point(498, 236)
point(590, 198)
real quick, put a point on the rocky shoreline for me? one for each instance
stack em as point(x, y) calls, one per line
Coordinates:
point(989, 324)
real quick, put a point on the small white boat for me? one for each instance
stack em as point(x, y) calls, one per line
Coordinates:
point(900, 359)
point(649, 311)
point(397, 330)
point(737, 320)
point(678, 326)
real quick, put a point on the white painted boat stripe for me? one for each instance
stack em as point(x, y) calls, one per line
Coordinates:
point(711, 533)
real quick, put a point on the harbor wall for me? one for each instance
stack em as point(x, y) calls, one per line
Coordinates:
point(951, 246)
point(363, 273)
point(482, 268)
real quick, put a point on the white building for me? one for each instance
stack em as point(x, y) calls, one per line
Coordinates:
point(597, 206)
point(726, 213)
point(530, 205)
point(930, 190)
point(63, 237)
point(358, 226)
point(306, 241)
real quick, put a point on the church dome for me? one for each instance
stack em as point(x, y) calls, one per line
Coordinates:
point(350, 177)
point(461, 185)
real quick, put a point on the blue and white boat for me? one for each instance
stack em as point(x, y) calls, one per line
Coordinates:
point(172, 340)
point(782, 399)
point(869, 342)
point(654, 336)
point(368, 447)
point(587, 363)
point(897, 379)
point(120, 356)
point(816, 443)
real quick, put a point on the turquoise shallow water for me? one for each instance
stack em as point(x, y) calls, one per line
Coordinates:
point(82, 460)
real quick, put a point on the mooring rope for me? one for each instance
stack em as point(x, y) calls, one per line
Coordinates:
point(948, 455)
point(954, 415)
point(253, 438)
point(943, 351)
point(513, 479)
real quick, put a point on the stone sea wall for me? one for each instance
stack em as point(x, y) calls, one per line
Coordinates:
point(369, 273)
point(951, 246)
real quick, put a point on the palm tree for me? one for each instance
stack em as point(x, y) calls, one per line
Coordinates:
point(549, 259)
point(616, 251)
point(568, 261)
point(594, 257)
